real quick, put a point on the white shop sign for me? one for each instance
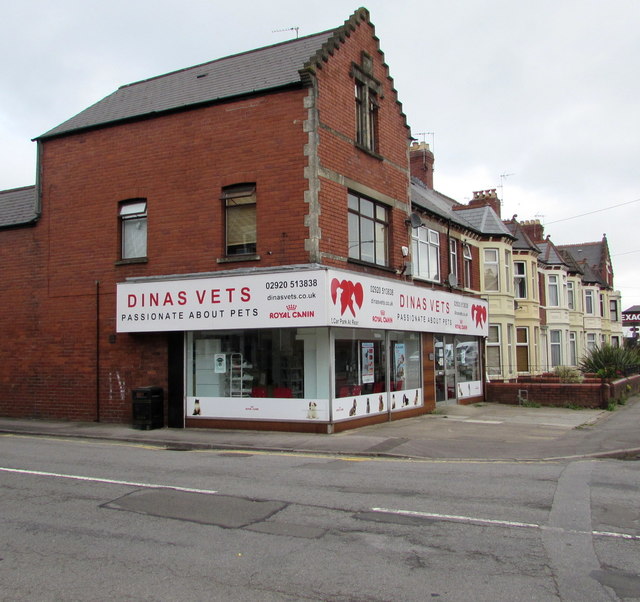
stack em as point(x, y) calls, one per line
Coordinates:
point(302, 298)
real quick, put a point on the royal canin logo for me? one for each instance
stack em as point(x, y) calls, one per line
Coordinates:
point(291, 307)
point(350, 294)
point(479, 314)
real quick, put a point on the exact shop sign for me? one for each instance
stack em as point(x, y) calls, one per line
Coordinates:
point(295, 299)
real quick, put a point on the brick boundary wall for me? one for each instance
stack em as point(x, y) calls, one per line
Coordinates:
point(593, 394)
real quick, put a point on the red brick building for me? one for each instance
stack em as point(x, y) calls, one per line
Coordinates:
point(236, 233)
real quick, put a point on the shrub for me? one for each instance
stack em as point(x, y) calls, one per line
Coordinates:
point(609, 362)
point(567, 374)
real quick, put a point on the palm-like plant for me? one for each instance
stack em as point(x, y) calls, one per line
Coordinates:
point(607, 361)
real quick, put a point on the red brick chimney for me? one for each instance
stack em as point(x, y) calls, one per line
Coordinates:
point(482, 198)
point(421, 162)
point(533, 229)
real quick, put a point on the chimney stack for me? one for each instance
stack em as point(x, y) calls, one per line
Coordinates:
point(483, 198)
point(421, 163)
point(534, 230)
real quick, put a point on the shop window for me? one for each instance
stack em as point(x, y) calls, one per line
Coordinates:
point(520, 279)
point(368, 230)
point(494, 362)
point(240, 219)
point(426, 253)
point(467, 360)
point(363, 371)
point(491, 270)
point(250, 363)
point(133, 229)
point(360, 363)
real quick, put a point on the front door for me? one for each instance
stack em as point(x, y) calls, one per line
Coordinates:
point(445, 368)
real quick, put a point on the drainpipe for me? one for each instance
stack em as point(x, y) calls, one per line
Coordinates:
point(97, 351)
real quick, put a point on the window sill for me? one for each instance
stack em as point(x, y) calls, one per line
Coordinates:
point(236, 258)
point(131, 261)
point(371, 265)
point(425, 279)
point(368, 151)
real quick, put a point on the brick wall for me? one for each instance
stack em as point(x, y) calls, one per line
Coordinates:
point(63, 358)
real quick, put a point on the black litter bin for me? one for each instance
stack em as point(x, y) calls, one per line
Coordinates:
point(147, 408)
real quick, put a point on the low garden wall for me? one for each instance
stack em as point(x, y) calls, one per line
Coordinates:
point(549, 391)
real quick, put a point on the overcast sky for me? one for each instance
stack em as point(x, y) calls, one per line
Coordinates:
point(540, 100)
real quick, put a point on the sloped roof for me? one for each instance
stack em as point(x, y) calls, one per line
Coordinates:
point(484, 220)
point(18, 207)
point(269, 68)
point(522, 240)
point(570, 260)
point(549, 254)
point(591, 257)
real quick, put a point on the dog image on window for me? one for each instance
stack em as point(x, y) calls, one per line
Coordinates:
point(352, 411)
point(312, 412)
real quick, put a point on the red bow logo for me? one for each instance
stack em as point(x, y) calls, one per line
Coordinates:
point(350, 292)
point(479, 313)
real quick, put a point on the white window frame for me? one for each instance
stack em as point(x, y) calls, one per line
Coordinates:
point(553, 284)
point(426, 253)
point(520, 279)
point(491, 263)
point(133, 227)
point(494, 343)
point(573, 348)
point(571, 295)
point(467, 259)
point(589, 302)
point(453, 256)
point(555, 348)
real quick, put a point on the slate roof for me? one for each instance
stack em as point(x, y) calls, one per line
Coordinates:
point(18, 207)
point(549, 254)
point(522, 240)
point(591, 256)
point(484, 220)
point(261, 70)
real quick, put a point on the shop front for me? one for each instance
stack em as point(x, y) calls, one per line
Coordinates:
point(305, 346)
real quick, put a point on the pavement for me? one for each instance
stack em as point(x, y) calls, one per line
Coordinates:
point(479, 432)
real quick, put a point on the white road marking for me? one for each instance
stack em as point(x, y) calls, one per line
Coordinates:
point(40, 473)
point(500, 523)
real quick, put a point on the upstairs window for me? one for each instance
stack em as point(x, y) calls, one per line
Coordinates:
point(240, 219)
point(426, 253)
point(133, 228)
point(453, 257)
point(589, 307)
point(467, 258)
point(491, 270)
point(367, 94)
point(571, 295)
point(553, 296)
point(368, 230)
point(613, 310)
point(520, 279)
